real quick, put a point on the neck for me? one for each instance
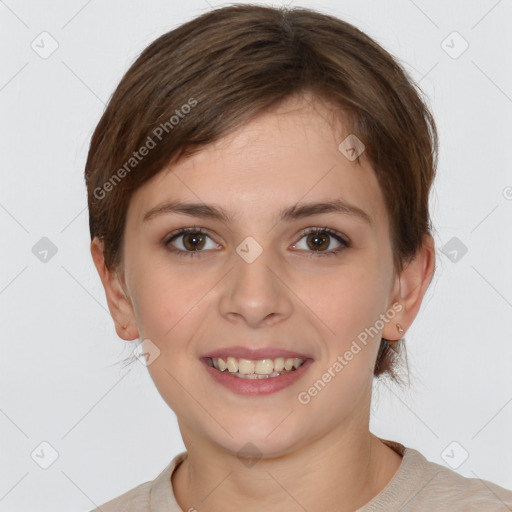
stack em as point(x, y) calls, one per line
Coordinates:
point(342, 471)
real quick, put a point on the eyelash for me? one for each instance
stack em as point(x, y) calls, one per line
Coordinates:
point(345, 244)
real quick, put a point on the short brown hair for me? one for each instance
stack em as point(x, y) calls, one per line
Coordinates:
point(213, 74)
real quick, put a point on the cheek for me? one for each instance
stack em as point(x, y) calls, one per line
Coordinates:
point(349, 301)
point(346, 300)
point(161, 296)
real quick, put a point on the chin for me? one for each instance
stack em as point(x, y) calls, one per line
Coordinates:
point(254, 440)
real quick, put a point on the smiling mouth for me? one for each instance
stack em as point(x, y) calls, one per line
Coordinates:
point(260, 369)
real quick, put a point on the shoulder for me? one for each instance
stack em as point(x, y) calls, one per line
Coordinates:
point(421, 485)
point(462, 493)
point(154, 495)
point(444, 488)
point(135, 500)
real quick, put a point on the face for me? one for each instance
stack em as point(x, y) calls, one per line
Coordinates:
point(259, 281)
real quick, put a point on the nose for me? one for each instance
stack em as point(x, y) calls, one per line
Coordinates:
point(255, 291)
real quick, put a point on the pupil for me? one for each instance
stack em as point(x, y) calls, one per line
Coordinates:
point(318, 242)
point(197, 239)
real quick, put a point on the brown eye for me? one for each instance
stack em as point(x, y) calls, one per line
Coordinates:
point(318, 242)
point(193, 241)
point(189, 242)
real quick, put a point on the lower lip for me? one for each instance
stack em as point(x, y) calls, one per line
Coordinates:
point(257, 386)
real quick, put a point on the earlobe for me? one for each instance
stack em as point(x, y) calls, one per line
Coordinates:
point(118, 302)
point(412, 283)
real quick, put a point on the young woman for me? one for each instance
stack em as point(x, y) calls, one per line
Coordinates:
point(258, 197)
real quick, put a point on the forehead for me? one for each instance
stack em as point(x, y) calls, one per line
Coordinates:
point(285, 156)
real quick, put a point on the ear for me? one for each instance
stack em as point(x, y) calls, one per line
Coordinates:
point(118, 301)
point(409, 289)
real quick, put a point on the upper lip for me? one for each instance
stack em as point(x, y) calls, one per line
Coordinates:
point(241, 352)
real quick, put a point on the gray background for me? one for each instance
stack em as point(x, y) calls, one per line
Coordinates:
point(108, 427)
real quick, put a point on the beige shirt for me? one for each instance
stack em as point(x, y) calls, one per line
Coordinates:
point(418, 486)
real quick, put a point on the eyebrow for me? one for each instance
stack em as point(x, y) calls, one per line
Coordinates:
point(297, 211)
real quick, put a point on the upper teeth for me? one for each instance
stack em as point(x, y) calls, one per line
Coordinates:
point(260, 367)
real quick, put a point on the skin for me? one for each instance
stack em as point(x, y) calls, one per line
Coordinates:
point(319, 456)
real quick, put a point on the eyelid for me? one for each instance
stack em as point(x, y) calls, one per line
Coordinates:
point(344, 241)
point(183, 231)
point(323, 229)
